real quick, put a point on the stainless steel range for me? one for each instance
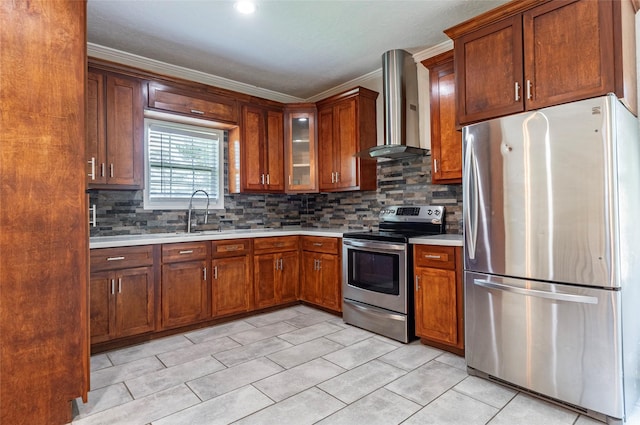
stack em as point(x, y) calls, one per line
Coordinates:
point(377, 270)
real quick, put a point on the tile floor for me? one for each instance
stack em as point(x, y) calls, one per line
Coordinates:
point(298, 366)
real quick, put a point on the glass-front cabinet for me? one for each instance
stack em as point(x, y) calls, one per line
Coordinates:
point(301, 149)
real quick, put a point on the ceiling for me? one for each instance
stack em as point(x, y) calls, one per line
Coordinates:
point(298, 48)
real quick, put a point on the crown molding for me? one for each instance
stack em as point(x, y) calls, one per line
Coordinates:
point(360, 81)
point(433, 51)
point(118, 56)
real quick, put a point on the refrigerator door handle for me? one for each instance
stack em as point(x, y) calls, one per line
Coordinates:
point(583, 299)
point(470, 199)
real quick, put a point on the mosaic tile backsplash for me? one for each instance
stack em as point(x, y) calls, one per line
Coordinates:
point(400, 182)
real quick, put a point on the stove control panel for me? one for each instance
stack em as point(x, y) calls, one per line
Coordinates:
point(420, 214)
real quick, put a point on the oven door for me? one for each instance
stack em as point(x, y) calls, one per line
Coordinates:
point(375, 273)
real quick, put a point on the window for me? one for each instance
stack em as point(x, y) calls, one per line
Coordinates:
point(179, 160)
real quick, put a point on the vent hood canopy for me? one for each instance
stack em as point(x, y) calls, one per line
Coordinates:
point(401, 117)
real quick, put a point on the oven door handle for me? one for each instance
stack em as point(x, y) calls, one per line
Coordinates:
point(383, 246)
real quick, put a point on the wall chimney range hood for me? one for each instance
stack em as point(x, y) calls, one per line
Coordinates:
point(401, 117)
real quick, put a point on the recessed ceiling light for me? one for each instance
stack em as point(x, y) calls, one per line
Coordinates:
point(245, 7)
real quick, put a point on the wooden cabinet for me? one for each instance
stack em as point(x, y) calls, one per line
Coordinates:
point(192, 101)
point(320, 280)
point(121, 292)
point(446, 141)
point(301, 172)
point(114, 138)
point(346, 126)
point(232, 279)
point(262, 149)
point(439, 296)
point(185, 284)
point(276, 270)
point(531, 54)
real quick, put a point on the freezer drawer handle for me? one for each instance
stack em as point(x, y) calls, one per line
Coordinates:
point(536, 293)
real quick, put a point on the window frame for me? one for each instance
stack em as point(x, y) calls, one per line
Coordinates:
point(199, 201)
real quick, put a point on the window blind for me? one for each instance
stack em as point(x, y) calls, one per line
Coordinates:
point(181, 160)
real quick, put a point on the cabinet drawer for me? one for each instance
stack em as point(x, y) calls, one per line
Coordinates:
point(275, 244)
point(230, 248)
point(441, 257)
point(183, 101)
point(320, 244)
point(121, 258)
point(187, 251)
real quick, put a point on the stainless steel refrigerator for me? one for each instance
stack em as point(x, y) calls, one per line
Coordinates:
point(551, 213)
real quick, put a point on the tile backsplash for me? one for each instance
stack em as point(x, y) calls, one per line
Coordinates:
point(399, 182)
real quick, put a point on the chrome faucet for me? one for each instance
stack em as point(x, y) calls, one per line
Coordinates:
point(206, 215)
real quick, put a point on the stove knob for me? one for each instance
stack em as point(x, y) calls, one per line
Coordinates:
point(437, 212)
point(429, 211)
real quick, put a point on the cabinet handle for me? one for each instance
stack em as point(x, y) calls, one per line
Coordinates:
point(317, 244)
point(111, 170)
point(529, 89)
point(279, 244)
point(195, 111)
point(315, 264)
point(93, 221)
point(268, 179)
point(333, 177)
point(417, 283)
point(119, 285)
point(517, 92)
point(337, 177)
point(433, 257)
point(113, 286)
point(102, 168)
point(188, 251)
point(261, 178)
point(231, 248)
point(115, 258)
point(319, 265)
point(215, 272)
point(290, 180)
point(435, 166)
point(92, 174)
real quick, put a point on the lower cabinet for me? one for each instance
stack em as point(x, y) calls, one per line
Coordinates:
point(185, 284)
point(232, 278)
point(121, 293)
point(320, 281)
point(276, 270)
point(439, 296)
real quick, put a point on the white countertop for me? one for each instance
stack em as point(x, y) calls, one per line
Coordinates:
point(160, 238)
point(443, 240)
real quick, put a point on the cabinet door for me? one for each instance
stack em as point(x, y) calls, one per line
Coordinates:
point(489, 65)
point(446, 142)
point(310, 290)
point(327, 153)
point(289, 277)
point(253, 148)
point(101, 306)
point(184, 293)
point(275, 151)
point(264, 282)
point(95, 128)
point(231, 285)
point(568, 51)
point(124, 132)
point(330, 281)
point(300, 147)
point(134, 301)
point(436, 305)
point(346, 135)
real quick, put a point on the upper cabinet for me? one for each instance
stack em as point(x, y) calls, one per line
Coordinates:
point(446, 141)
point(261, 156)
point(346, 126)
point(114, 131)
point(534, 53)
point(191, 101)
point(301, 172)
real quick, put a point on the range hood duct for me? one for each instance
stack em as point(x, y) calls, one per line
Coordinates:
point(401, 116)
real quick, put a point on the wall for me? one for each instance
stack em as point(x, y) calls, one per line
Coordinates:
point(399, 182)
